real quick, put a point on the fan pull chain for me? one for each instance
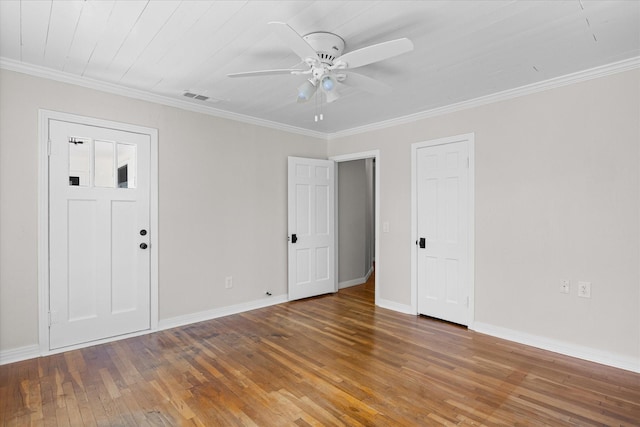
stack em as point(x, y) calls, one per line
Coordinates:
point(320, 116)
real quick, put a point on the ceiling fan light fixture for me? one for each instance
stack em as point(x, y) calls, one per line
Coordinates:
point(322, 52)
point(306, 90)
point(328, 84)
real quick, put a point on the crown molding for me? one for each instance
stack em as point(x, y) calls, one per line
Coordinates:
point(47, 73)
point(556, 82)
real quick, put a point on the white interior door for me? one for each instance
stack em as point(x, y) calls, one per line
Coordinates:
point(442, 174)
point(311, 223)
point(99, 272)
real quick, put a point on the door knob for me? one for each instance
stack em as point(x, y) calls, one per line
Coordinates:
point(143, 246)
point(143, 232)
point(294, 238)
point(422, 243)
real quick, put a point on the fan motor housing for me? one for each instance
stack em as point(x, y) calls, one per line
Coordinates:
point(328, 46)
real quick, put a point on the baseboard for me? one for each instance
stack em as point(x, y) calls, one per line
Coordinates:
point(352, 282)
point(392, 305)
point(369, 273)
point(19, 354)
point(201, 316)
point(580, 352)
point(357, 281)
point(33, 351)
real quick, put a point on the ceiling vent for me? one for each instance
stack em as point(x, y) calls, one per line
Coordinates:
point(195, 96)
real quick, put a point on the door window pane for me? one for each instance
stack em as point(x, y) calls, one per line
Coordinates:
point(126, 166)
point(79, 161)
point(104, 167)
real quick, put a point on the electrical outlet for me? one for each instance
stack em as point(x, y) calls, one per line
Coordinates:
point(564, 286)
point(228, 282)
point(584, 289)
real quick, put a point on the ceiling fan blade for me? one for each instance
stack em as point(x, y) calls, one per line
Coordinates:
point(294, 41)
point(366, 83)
point(265, 73)
point(374, 53)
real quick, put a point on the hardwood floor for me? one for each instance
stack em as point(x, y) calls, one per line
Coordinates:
point(331, 360)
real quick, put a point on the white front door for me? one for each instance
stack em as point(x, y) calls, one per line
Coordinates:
point(442, 175)
point(99, 271)
point(311, 227)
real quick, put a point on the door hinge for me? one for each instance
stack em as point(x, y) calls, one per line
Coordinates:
point(49, 147)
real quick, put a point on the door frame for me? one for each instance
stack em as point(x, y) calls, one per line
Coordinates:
point(373, 154)
point(44, 116)
point(469, 138)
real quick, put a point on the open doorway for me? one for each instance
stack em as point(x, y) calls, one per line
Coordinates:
point(357, 213)
point(356, 231)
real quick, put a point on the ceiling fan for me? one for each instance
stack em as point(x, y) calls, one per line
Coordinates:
point(326, 67)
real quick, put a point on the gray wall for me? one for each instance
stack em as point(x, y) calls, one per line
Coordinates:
point(556, 197)
point(222, 201)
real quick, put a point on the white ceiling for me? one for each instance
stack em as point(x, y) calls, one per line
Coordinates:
point(463, 49)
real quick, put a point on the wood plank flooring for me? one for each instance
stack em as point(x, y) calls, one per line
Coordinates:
point(331, 360)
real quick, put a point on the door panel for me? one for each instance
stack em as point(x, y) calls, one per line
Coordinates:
point(82, 248)
point(99, 277)
point(442, 202)
point(311, 220)
point(124, 248)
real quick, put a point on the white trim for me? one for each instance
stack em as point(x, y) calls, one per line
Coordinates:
point(577, 77)
point(395, 306)
point(352, 282)
point(373, 154)
point(202, 316)
point(43, 231)
point(556, 82)
point(369, 273)
point(98, 342)
point(336, 225)
point(356, 281)
point(471, 227)
point(154, 229)
point(44, 116)
point(19, 354)
point(38, 71)
point(469, 138)
point(580, 352)
point(561, 347)
point(33, 351)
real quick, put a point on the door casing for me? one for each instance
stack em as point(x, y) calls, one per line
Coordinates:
point(469, 138)
point(44, 116)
